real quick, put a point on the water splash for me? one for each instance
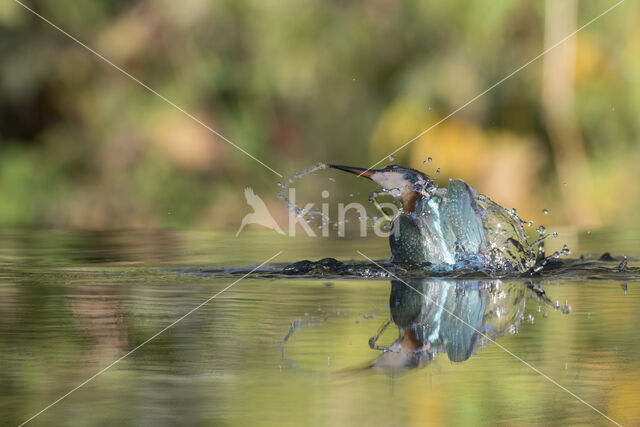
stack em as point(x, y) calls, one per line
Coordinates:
point(594, 267)
point(454, 226)
point(318, 216)
point(284, 193)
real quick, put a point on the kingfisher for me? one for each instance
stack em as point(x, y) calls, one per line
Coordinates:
point(454, 226)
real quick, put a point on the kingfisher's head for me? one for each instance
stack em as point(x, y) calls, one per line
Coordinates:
point(408, 185)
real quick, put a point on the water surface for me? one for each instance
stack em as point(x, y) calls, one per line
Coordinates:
point(71, 304)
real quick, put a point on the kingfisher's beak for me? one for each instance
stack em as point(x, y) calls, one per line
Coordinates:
point(385, 178)
point(367, 173)
point(390, 179)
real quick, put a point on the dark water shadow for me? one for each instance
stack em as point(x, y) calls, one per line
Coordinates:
point(605, 267)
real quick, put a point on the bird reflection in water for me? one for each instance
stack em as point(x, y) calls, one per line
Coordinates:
point(452, 317)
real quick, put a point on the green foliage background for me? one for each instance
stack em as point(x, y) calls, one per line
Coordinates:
point(293, 83)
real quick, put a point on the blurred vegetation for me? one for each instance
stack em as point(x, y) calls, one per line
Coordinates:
point(293, 83)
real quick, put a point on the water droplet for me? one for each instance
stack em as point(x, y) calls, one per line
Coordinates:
point(279, 184)
point(542, 229)
point(545, 211)
point(530, 223)
point(513, 211)
point(325, 193)
point(566, 250)
point(555, 234)
point(332, 179)
point(350, 194)
point(391, 158)
point(437, 171)
point(430, 160)
point(623, 264)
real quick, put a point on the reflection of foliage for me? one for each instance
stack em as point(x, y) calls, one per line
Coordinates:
point(81, 145)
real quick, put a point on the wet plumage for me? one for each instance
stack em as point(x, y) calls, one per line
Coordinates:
point(449, 225)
